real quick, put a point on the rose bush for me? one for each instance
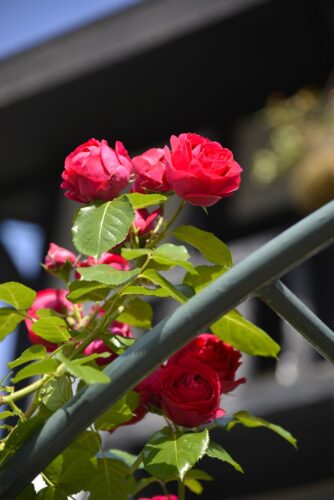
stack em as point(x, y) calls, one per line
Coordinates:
point(122, 264)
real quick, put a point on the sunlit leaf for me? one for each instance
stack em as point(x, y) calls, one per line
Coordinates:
point(119, 413)
point(216, 451)
point(37, 368)
point(52, 329)
point(137, 313)
point(107, 275)
point(139, 200)
point(17, 295)
point(33, 353)
point(9, 319)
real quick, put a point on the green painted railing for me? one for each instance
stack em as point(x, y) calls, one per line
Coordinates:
point(257, 275)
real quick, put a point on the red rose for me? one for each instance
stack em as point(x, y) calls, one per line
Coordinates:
point(145, 221)
point(49, 298)
point(213, 352)
point(190, 394)
point(94, 171)
point(150, 169)
point(160, 497)
point(201, 171)
point(57, 257)
point(98, 346)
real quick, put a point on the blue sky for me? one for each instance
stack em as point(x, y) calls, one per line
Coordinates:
point(24, 23)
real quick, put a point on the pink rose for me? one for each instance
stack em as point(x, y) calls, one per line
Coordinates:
point(190, 394)
point(95, 171)
point(160, 497)
point(145, 221)
point(150, 169)
point(98, 346)
point(49, 298)
point(213, 352)
point(57, 257)
point(201, 171)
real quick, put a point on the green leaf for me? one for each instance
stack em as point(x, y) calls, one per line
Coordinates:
point(205, 275)
point(117, 343)
point(37, 368)
point(142, 290)
point(99, 227)
point(248, 420)
point(56, 393)
point(88, 374)
point(194, 486)
point(216, 451)
point(46, 313)
point(138, 313)
point(134, 253)
point(6, 414)
point(28, 493)
point(33, 353)
point(169, 455)
point(157, 279)
point(9, 319)
point(81, 291)
point(110, 481)
point(198, 474)
point(103, 273)
point(20, 434)
point(172, 252)
point(234, 329)
point(51, 493)
point(119, 413)
point(17, 295)
point(206, 243)
point(139, 200)
point(72, 471)
point(128, 458)
point(52, 329)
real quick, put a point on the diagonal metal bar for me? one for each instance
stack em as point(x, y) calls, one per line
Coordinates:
point(263, 266)
point(281, 300)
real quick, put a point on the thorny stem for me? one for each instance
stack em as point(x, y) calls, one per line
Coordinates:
point(168, 224)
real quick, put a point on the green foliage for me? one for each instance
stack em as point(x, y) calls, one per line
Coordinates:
point(137, 313)
point(204, 276)
point(139, 200)
point(173, 255)
point(206, 243)
point(191, 480)
point(214, 450)
point(17, 295)
point(248, 420)
point(170, 455)
point(82, 291)
point(20, 434)
point(37, 368)
point(128, 458)
point(119, 413)
point(6, 414)
point(9, 319)
point(33, 353)
point(234, 329)
point(142, 290)
point(110, 481)
point(56, 393)
point(99, 227)
point(52, 329)
point(157, 279)
point(88, 374)
point(134, 253)
point(107, 275)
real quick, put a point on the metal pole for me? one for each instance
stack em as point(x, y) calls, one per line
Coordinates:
point(263, 266)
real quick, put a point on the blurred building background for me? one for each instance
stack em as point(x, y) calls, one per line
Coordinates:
point(139, 71)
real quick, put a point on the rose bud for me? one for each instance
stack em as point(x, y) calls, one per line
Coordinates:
point(150, 169)
point(201, 171)
point(213, 352)
point(57, 257)
point(145, 221)
point(95, 171)
point(190, 394)
point(49, 298)
point(98, 346)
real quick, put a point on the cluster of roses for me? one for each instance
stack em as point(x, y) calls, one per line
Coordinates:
point(188, 388)
point(198, 170)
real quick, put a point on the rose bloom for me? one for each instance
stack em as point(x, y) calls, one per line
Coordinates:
point(98, 346)
point(160, 497)
point(201, 171)
point(95, 171)
point(57, 257)
point(190, 394)
point(213, 352)
point(112, 259)
point(150, 169)
point(145, 221)
point(49, 298)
